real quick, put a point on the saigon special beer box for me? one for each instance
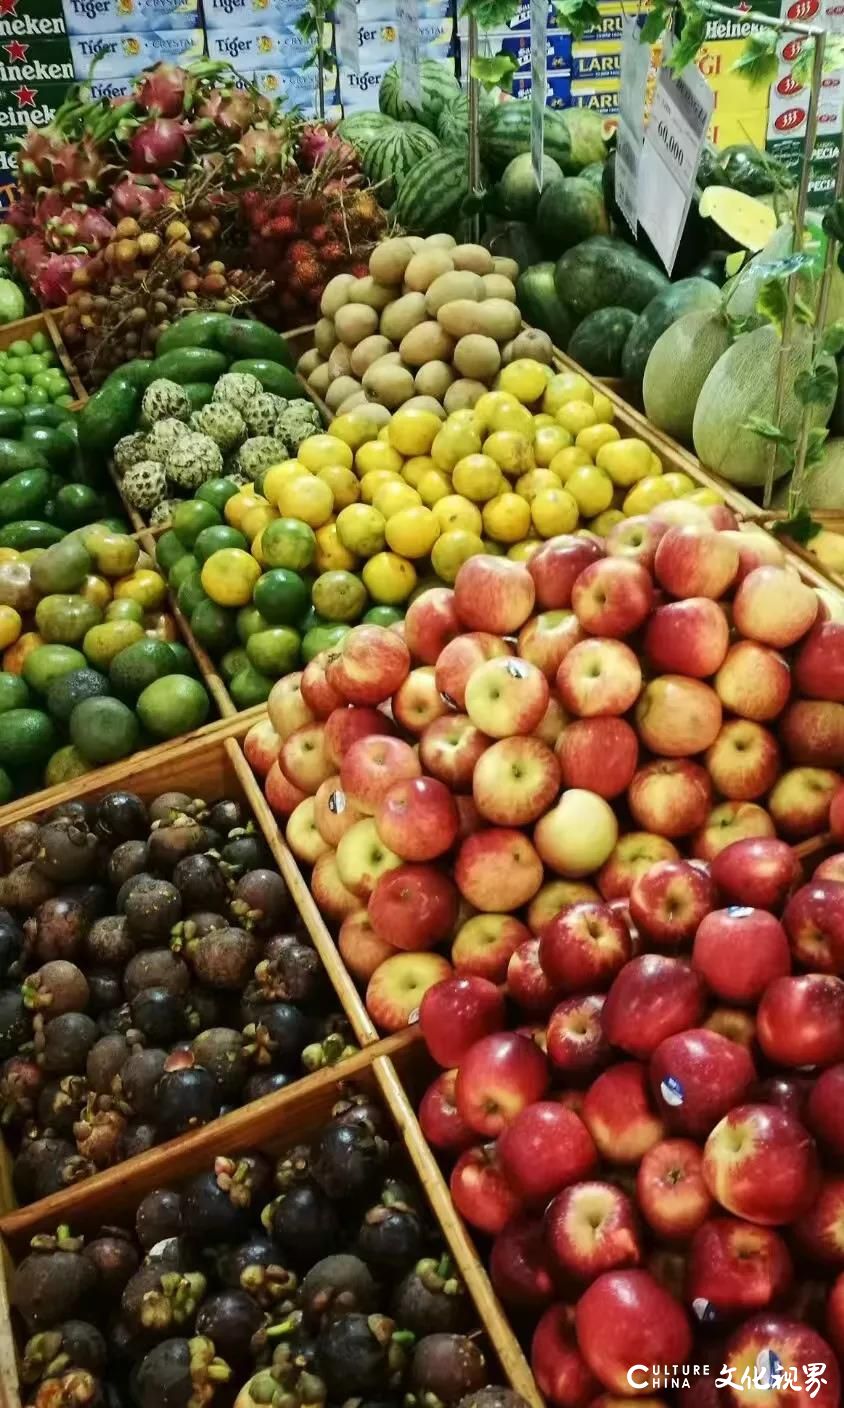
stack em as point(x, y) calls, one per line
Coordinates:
point(557, 50)
point(122, 55)
point(130, 16)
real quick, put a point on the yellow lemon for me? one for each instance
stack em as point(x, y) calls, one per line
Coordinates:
point(96, 590)
point(554, 511)
point(228, 576)
point(9, 554)
point(656, 464)
point(477, 477)
point(681, 484)
point(433, 486)
point(525, 379)
point(342, 482)
point(11, 626)
point(319, 450)
point(606, 520)
point(456, 512)
point(647, 494)
point(706, 498)
point(548, 440)
point(384, 434)
point(513, 417)
point(567, 461)
point(389, 578)
point(542, 418)
point(415, 468)
point(523, 552)
point(452, 443)
point(360, 528)
point(564, 387)
point(376, 454)
point(493, 549)
point(530, 484)
point(465, 416)
point(306, 498)
point(393, 497)
point(574, 416)
point(591, 488)
point(354, 428)
point(506, 518)
point(603, 408)
point(512, 452)
point(486, 406)
point(625, 461)
point(594, 437)
point(276, 475)
point(256, 520)
point(451, 550)
point(412, 532)
point(412, 432)
point(240, 503)
point(371, 482)
point(145, 587)
point(331, 555)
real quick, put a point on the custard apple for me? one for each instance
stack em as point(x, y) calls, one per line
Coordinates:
point(164, 436)
point(222, 422)
point(259, 453)
point(130, 450)
point(193, 459)
point(145, 484)
point(261, 415)
point(164, 398)
point(237, 389)
point(163, 512)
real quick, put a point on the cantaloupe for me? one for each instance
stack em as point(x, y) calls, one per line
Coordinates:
point(823, 486)
point(679, 363)
point(740, 386)
point(742, 291)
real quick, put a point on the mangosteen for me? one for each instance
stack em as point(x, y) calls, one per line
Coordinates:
point(139, 1079)
point(227, 815)
point(93, 897)
point(170, 805)
point(121, 816)
point(358, 1107)
point(185, 1099)
point(77, 1387)
point(158, 1217)
point(168, 844)
point(225, 958)
point(335, 1286)
point(99, 1131)
point(289, 1379)
point(74, 1345)
point(159, 1015)
point(105, 991)
point(56, 987)
point(11, 944)
point(431, 1298)
point(392, 1233)
point(138, 1137)
point(108, 941)
point(152, 907)
point(156, 1301)
point(303, 1222)
point(199, 923)
point(293, 1168)
point(200, 882)
point(116, 1019)
point(266, 1083)
point(75, 810)
point(290, 973)
point(19, 843)
point(114, 1258)
point(278, 1036)
point(62, 1045)
point(21, 1080)
point(15, 1022)
point(244, 850)
point(25, 888)
point(179, 1373)
point(230, 1319)
point(57, 929)
point(210, 1214)
point(220, 1051)
point(54, 1281)
point(67, 850)
point(345, 1159)
point(60, 1104)
point(356, 1354)
point(156, 968)
point(106, 1060)
point(445, 1368)
point(128, 859)
point(45, 1165)
point(493, 1396)
point(255, 1266)
point(261, 901)
point(205, 1009)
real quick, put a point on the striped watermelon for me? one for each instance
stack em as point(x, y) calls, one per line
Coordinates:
point(505, 133)
point(389, 157)
point(453, 120)
point(438, 86)
point(431, 194)
point(363, 128)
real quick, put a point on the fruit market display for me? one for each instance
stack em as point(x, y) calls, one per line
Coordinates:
point(153, 976)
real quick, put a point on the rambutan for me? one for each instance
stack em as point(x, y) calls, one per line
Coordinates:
point(333, 252)
point(300, 250)
point(310, 273)
point(311, 211)
point(281, 227)
point(319, 234)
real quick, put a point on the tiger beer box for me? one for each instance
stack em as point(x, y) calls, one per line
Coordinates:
point(123, 55)
point(22, 105)
point(261, 47)
point(131, 16)
point(247, 14)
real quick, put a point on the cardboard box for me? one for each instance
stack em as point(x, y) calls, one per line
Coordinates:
point(263, 47)
point(558, 49)
point(130, 16)
point(240, 14)
point(24, 105)
point(359, 91)
point(596, 60)
point(378, 43)
point(123, 55)
point(35, 61)
point(33, 19)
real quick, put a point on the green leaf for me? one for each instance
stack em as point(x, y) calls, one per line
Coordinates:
point(757, 62)
point(766, 430)
point(803, 312)
point(814, 388)
point(833, 58)
point(491, 14)
point(815, 447)
point(691, 40)
point(495, 71)
point(655, 23)
point(833, 220)
point(833, 339)
point(801, 527)
point(734, 262)
point(771, 302)
point(577, 15)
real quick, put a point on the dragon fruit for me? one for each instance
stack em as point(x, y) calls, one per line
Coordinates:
point(80, 169)
point(54, 279)
point(78, 227)
point(27, 256)
point(135, 195)
point(164, 91)
point(232, 111)
point(35, 159)
point(316, 143)
point(260, 150)
point(158, 144)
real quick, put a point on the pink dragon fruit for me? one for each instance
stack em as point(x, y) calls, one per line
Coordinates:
point(135, 195)
point(35, 159)
point(28, 255)
point(158, 144)
point(232, 111)
point(54, 280)
point(76, 228)
point(260, 149)
point(164, 91)
point(316, 143)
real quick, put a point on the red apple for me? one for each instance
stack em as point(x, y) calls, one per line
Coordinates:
point(515, 781)
point(317, 693)
point(668, 902)
point(282, 796)
point(836, 813)
point(360, 948)
point(599, 677)
point(506, 696)
point(345, 726)
point(460, 658)
point(417, 818)
point(825, 1109)
point(753, 682)
point(739, 951)
point(800, 801)
point(577, 835)
point(670, 1189)
point(619, 1115)
point(734, 1024)
point(670, 797)
point(814, 922)
point(790, 1093)
point(362, 858)
point(592, 1227)
point(303, 758)
point(552, 723)
point(756, 548)
point(556, 565)
point(480, 1192)
point(696, 1077)
point(813, 732)
point(772, 605)
point(677, 716)
point(729, 822)
point(637, 538)
point(633, 855)
point(559, 1368)
point(819, 1233)
point(455, 1015)
point(484, 945)
point(613, 597)
point(555, 896)
point(574, 1037)
point(497, 1078)
point(372, 765)
point(438, 1117)
point(302, 836)
point(546, 639)
point(692, 561)
point(800, 1020)
point(599, 753)
point(417, 701)
point(759, 871)
point(744, 760)
point(398, 986)
point(818, 668)
point(328, 889)
point(584, 947)
point(520, 1268)
point(688, 637)
point(628, 1326)
point(651, 999)
point(832, 868)
point(370, 664)
point(835, 1316)
point(493, 594)
point(413, 907)
point(449, 749)
point(760, 1163)
point(286, 706)
point(498, 870)
point(527, 983)
point(333, 812)
point(779, 1355)
point(261, 746)
point(543, 1150)
point(735, 1267)
point(430, 622)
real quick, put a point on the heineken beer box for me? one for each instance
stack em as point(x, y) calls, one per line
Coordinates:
point(35, 61)
point(24, 105)
point(31, 19)
point(129, 16)
point(123, 55)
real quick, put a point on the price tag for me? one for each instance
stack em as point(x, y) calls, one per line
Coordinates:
point(410, 78)
point(635, 61)
point(538, 62)
point(346, 35)
point(676, 131)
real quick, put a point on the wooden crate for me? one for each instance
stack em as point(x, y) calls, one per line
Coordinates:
point(48, 323)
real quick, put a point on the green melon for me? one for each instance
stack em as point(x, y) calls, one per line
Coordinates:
point(388, 158)
point(438, 85)
point(540, 306)
point(823, 486)
point(686, 296)
point(505, 133)
point(362, 128)
point(598, 342)
point(570, 211)
point(678, 365)
point(742, 385)
point(430, 196)
point(606, 273)
point(586, 135)
point(517, 192)
point(452, 124)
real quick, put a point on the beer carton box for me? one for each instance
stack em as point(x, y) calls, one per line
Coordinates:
point(359, 91)
point(122, 55)
point(249, 14)
point(595, 60)
point(557, 89)
point(378, 43)
point(32, 20)
point(24, 105)
point(130, 16)
point(262, 47)
point(35, 61)
point(558, 49)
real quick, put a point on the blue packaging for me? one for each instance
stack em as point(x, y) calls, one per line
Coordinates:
point(557, 50)
point(359, 91)
point(247, 14)
point(609, 26)
point(130, 16)
point(557, 89)
point(379, 43)
point(596, 60)
point(264, 48)
point(122, 55)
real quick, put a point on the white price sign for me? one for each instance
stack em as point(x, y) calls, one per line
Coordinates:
point(676, 131)
point(346, 34)
point(635, 61)
point(538, 61)
point(407, 16)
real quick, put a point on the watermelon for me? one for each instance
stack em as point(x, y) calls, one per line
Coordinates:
point(605, 273)
point(430, 196)
point(505, 133)
point(570, 211)
point(513, 239)
point(540, 306)
point(594, 172)
point(679, 363)
point(755, 173)
point(438, 84)
point(586, 135)
point(388, 158)
point(452, 124)
point(362, 128)
point(517, 192)
point(598, 342)
point(686, 296)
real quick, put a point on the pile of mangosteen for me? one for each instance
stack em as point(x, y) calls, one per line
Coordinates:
point(314, 1279)
point(153, 975)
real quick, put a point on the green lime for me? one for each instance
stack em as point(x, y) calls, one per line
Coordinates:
point(250, 687)
point(69, 690)
point(190, 594)
point(274, 652)
point(219, 535)
point(217, 492)
point(40, 342)
point(250, 620)
point(19, 348)
point(232, 662)
point(214, 626)
point(4, 380)
point(43, 379)
point(383, 615)
point(46, 662)
point(139, 664)
point(191, 517)
point(168, 550)
point(60, 391)
point(103, 730)
point(64, 617)
point(181, 570)
point(185, 663)
point(322, 638)
point(124, 609)
point(7, 791)
point(173, 706)
point(37, 396)
point(13, 692)
point(13, 396)
point(67, 400)
point(339, 596)
point(312, 618)
point(31, 365)
point(27, 738)
point(102, 643)
point(65, 764)
point(287, 542)
point(76, 505)
point(281, 597)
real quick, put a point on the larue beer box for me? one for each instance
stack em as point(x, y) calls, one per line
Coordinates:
point(123, 55)
point(24, 105)
point(130, 16)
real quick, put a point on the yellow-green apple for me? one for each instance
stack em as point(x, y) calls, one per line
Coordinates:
point(460, 658)
point(760, 1163)
point(825, 1110)
point(812, 731)
point(670, 796)
point(772, 605)
point(286, 706)
point(819, 1233)
point(819, 667)
point(670, 1189)
point(346, 725)
point(506, 696)
point(814, 922)
point(740, 950)
point(754, 681)
point(836, 813)
point(730, 822)
point(696, 1077)
point(744, 760)
point(527, 984)
point(735, 1267)
point(441, 1124)
point(317, 693)
point(372, 765)
point(779, 1354)
point(303, 758)
point(721, 517)
point(688, 637)
point(681, 513)
point(282, 796)
point(555, 566)
point(554, 896)
point(328, 889)
point(613, 597)
point(800, 1020)
point(417, 702)
point(756, 548)
point(398, 985)
point(669, 901)
point(302, 834)
point(369, 665)
point(333, 811)
point(417, 818)
point(484, 945)
point(760, 871)
point(800, 800)
point(552, 723)
point(734, 1024)
point(520, 1267)
point(261, 746)
point(619, 1114)
point(500, 1075)
point(653, 997)
point(584, 947)
point(695, 561)
point(479, 1190)
point(677, 716)
point(831, 869)
point(493, 594)
point(515, 781)
point(599, 677)
point(360, 947)
point(592, 1227)
point(544, 1149)
point(457, 1013)
point(561, 1372)
point(413, 907)
point(498, 870)
point(574, 1036)
point(628, 1327)
point(362, 858)
point(632, 856)
point(637, 538)
point(577, 835)
point(450, 748)
point(547, 638)
point(430, 622)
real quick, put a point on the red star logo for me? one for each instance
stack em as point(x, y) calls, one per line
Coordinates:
point(25, 96)
point(16, 50)
point(8, 7)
